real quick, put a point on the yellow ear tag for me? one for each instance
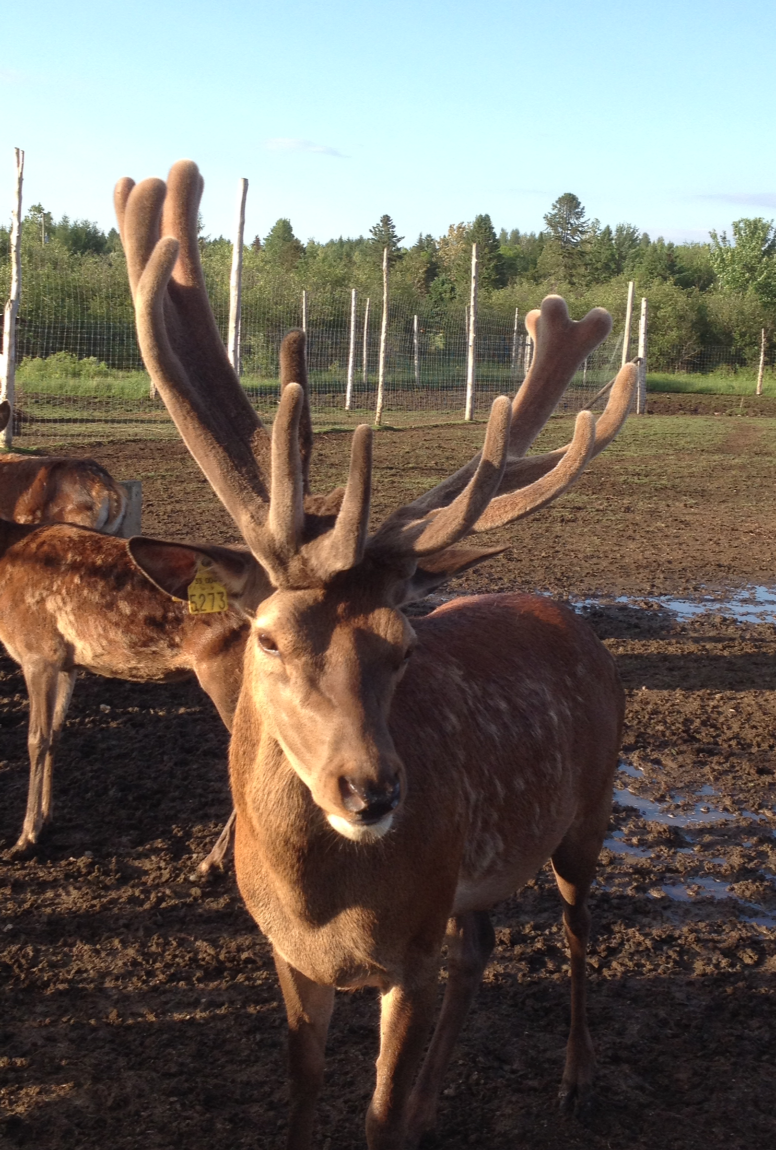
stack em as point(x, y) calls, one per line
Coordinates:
point(206, 594)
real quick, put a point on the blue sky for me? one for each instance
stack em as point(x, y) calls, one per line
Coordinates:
point(658, 114)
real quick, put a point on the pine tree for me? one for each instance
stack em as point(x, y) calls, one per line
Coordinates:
point(383, 235)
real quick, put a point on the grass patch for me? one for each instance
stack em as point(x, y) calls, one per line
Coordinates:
point(723, 381)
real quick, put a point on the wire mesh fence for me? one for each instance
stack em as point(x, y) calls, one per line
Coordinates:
point(79, 371)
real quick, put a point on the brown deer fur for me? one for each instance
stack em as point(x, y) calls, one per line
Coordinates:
point(392, 780)
point(50, 489)
point(72, 598)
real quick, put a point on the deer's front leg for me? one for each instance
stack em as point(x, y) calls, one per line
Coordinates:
point(406, 1018)
point(308, 1009)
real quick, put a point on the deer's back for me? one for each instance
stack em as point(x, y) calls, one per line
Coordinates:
point(51, 489)
point(508, 723)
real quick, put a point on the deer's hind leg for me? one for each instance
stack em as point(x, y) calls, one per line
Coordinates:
point(574, 864)
point(49, 690)
point(470, 940)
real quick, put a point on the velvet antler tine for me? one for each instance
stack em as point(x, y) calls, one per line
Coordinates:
point(560, 346)
point(521, 472)
point(182, 348)
point(286, 514)
point(141, 207)
point(443, 527)
point(122, 190)
point(294, 369)
point(345, 544)
point(517, 504)
point(617, 407)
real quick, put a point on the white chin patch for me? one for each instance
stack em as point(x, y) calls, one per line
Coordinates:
point(356, 831)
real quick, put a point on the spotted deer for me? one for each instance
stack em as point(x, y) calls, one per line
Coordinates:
point(71, 598)
point(393, 778)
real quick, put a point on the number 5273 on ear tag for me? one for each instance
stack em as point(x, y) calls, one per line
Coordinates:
point(206, 594)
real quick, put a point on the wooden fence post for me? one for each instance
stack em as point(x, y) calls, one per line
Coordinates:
point(761, 371)
point(365, 343)
point(416, 351)
point(627, 331)
point(235, 283)
point(305, 311)
point(471, 359)
point(528, 354)
point(11, 311)
point(515, 338)
point(351, 337)
point(642, 366)
point(383, 345)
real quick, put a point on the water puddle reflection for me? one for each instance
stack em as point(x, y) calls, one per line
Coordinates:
point(755, 604)
point(704, 812)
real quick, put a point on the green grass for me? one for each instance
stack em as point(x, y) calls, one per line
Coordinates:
point(723, 381)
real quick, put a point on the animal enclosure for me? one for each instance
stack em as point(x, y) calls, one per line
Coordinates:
point(140, 1008)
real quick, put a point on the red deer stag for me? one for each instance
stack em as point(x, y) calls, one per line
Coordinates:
point(392, 780)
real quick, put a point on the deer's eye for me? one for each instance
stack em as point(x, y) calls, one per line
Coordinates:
point(268, 644)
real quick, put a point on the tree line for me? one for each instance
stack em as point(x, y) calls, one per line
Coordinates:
point(699, 294)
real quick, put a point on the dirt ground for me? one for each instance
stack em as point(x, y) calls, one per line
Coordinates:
point(140, 1008)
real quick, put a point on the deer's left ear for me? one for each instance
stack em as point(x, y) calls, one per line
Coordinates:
point(171, 567)
point(433, 570)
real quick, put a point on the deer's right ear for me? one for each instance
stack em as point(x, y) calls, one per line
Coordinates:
point(5, 414)
point(171, 567)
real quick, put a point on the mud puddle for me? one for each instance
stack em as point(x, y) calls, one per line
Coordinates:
point(756, 604)
point(692, 816)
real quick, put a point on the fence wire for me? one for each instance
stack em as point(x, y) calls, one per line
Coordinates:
point(79, 369)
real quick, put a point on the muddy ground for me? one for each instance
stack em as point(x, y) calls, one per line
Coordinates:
point(140, 1008)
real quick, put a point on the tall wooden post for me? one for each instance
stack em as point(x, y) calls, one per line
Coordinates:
point(351, 339)
point(416, 351)
point(761, 371)
point(11, 311)
point(235, 282)
point(471, 364)
point(528, 354)
point(382, 351)
point(642, 366)
point(627, 331)
point(365, 343)
point(304, 311)
point(515, 338)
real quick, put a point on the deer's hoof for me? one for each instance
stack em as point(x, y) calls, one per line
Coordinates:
point(576, 1100)
point(23, 849)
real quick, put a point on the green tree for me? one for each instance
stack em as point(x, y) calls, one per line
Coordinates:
point(383, 235)
point(282, 247)
point(563, 255)
point(566, 222)
point(488, 252)
point(747, 262)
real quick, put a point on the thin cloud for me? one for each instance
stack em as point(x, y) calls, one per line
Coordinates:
point(289, 144)
point(755, 199)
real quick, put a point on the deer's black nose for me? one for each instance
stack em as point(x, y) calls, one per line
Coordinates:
point(371, 801)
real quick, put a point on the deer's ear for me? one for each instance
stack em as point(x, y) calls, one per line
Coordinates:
point(433, 570)
point(5, 414)
point(171, 567)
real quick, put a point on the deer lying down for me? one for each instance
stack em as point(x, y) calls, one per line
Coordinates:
point(392, 780)
point(52, 489)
